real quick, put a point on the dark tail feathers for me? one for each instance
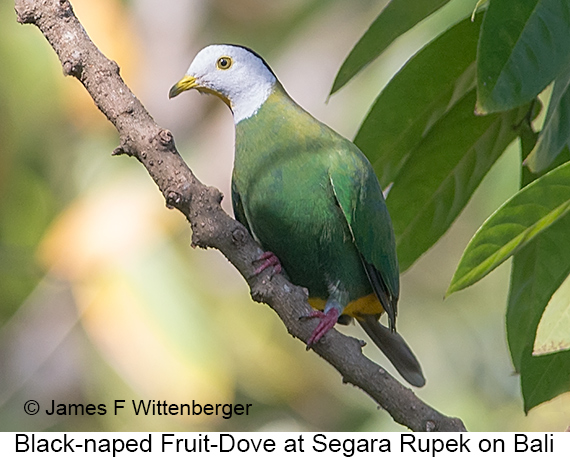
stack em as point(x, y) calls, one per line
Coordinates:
point(395, 348)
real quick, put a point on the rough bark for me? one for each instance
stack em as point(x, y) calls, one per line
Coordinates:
point(153, 146)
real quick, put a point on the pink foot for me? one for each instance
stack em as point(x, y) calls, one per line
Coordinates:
point(269, 260)
point(326, 322)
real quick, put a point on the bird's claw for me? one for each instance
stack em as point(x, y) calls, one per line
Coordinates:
point(326, 322)
point(269, 260)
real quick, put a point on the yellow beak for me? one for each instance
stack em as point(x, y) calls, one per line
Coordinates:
point(189, 82)
point(186, 83)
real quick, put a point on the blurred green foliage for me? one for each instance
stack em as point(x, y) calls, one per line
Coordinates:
point(28, 176)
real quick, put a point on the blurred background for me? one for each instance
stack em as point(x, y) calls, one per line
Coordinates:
point(101, 295)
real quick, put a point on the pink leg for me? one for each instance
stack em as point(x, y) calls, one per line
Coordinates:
point(269, 260)
point(326, 322)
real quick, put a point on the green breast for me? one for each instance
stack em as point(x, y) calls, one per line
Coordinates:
point(281, 174)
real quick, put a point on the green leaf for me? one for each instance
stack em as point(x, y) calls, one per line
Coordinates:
point(553, 332)
point(556, 131)
point(514, 224)
point(442, 173)
point(538, 270)
point(398, 17)
point(544, 377)
point(532, 284)
point(417, 96)
point(524, 45)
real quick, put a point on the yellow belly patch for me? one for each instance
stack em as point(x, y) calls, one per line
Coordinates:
point(369, 304)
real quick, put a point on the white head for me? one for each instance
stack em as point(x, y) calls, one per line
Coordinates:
point(235, 74)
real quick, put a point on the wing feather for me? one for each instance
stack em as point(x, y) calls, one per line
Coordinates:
point(360, 197)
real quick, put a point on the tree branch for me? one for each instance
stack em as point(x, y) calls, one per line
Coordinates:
point(154, 147)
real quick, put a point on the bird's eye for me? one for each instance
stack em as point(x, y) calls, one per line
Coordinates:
point(224, 63)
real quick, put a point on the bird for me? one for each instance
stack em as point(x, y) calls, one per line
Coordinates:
point(311, 198)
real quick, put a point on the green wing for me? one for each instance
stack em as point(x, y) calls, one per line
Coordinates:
point(359, 195)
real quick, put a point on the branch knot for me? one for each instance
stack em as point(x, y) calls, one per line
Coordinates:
point(239, 236)
point(26, 14)
point(173, 199)
point(73, 67)
point(165, 137)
